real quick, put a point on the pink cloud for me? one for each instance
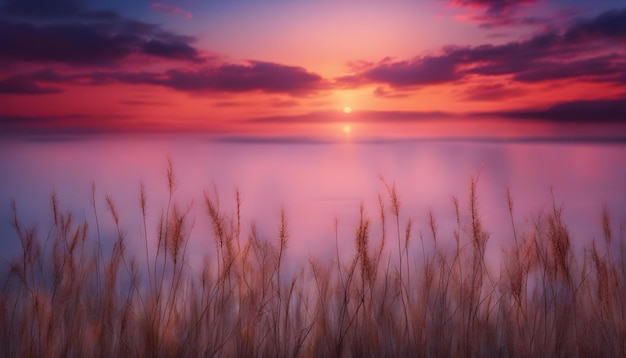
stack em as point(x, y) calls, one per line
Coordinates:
point(493, 7)
point(170, 9)
point(496, 13)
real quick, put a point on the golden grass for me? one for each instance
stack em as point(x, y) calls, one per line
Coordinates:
point(66, 295)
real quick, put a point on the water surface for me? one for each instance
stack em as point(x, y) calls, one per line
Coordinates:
point(314, 182)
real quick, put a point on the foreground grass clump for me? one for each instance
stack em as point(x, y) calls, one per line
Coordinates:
point(403, 292)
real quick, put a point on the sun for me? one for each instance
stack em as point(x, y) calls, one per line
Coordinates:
point(347, 110)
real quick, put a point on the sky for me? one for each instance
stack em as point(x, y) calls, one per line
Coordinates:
point(314, 69)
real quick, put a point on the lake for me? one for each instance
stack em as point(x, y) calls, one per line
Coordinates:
point(315, 182)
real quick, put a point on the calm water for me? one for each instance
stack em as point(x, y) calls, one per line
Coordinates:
point(315, 183)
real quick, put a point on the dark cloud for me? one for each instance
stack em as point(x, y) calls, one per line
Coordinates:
point(360, 116)
point(456, 62)
point(600, 68)
point(105, 39)
point(544, 57)
point(426, 70)
point(171, 46)
point(39, 124)
point(593, 111)
point(65, 31)
point(494, 22)
point(259, 140)
point(42, 8)
point(495, 7)
point(9, 120)
point(54, 9)
point(499, 13)
point(611, 24)
point(67, 124)
point(30, 83)
point(252, 76)
point(590, 111)
point(100, 43)
point(584, 111)
point(492, 92)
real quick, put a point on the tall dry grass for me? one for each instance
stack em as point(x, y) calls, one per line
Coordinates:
point(404, 291)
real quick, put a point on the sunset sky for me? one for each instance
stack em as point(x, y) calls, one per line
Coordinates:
point(279, 68)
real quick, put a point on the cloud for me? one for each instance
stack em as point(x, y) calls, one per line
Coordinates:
point(30, 83)
point(39, 124)
point(251, 76)
point(611, 24)
point(599, 68)
point(426, 70)
point(383, 92)
point(578, 53)
point(494, 22)
point(494, 7)
point(43, 8)
point(497, 13)
point(104, 45)
point(234, 78)
point(227, 78)
point(587, 111)
point(69, 124)
point(53, 9)
point(592, 111)
point(170, 9)
point(309, 140)
point(79, 36)
point(12, 119)
point(588, 50)
point(360, 116)
point(492, 92)
point(608, 112)
point(100, 43)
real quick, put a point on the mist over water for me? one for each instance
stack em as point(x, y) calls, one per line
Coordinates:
point(314, 183)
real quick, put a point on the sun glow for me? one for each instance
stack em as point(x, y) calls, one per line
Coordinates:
point(347, 129)
point(347, 110)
